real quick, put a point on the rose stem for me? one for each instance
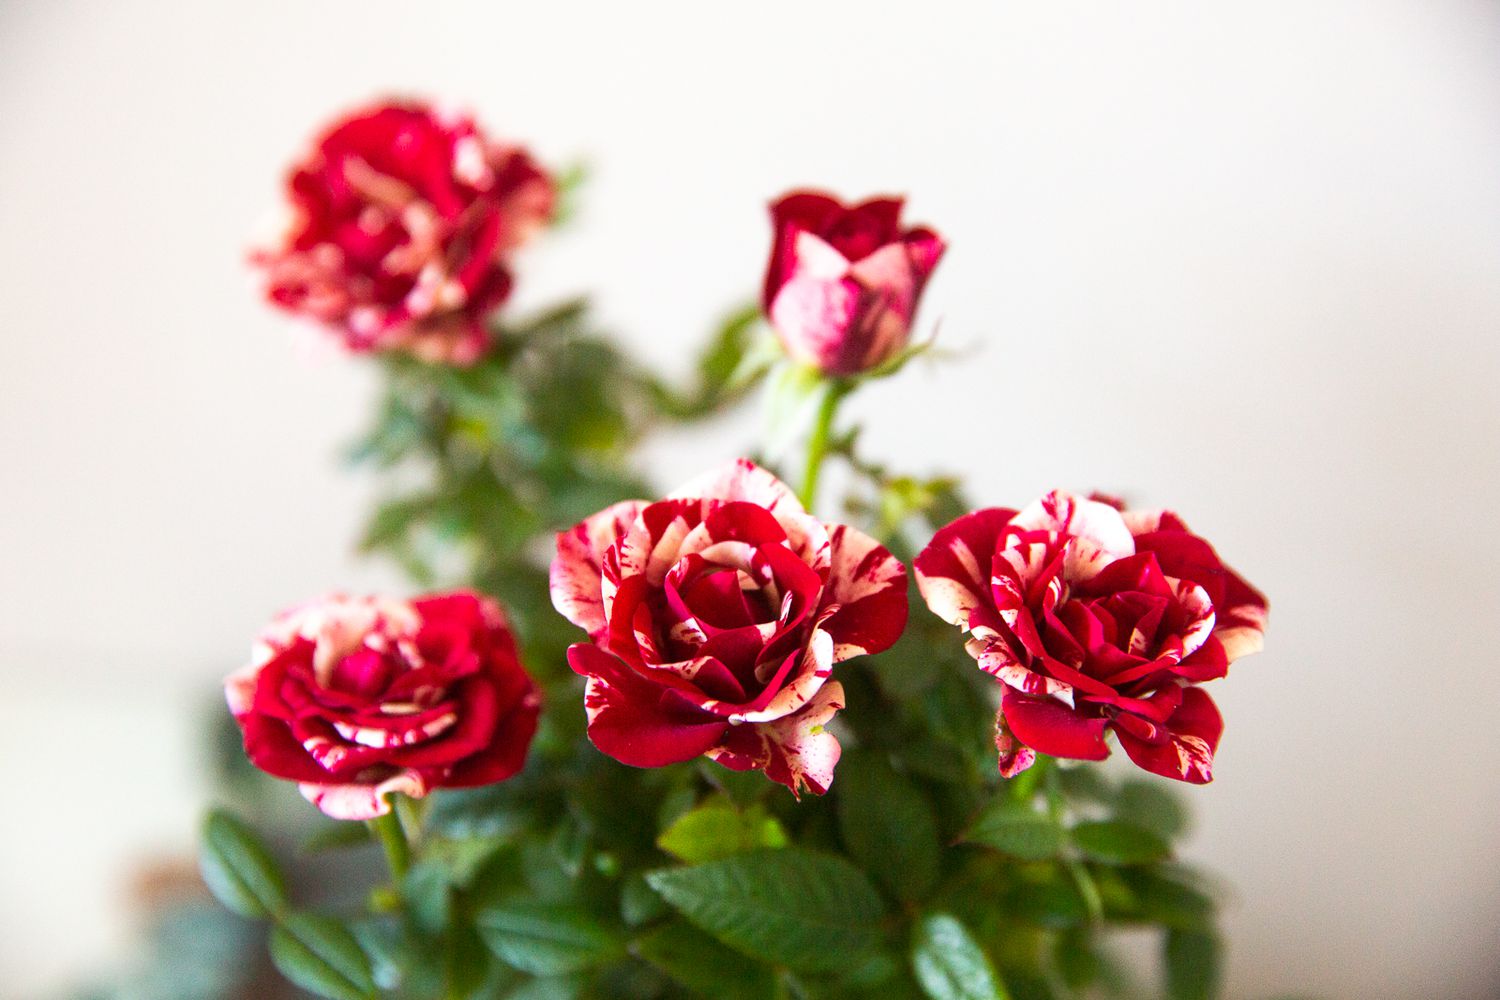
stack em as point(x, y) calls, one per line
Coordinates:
point(817, 443)
point(388, 830)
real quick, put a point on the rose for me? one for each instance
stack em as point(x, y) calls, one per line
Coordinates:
point(843, 283)
point(1096, 620)
point(716, 617)
point(357, 698)
point(403, 225)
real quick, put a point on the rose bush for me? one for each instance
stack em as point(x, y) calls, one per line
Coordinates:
point(403, 223)
point(843, 283)
point(357, 698)
point(715, 617)
point(1096, 620)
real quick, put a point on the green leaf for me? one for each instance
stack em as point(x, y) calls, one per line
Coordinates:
point(547, 939)
point(1017, 830)
point(807, 911)
point(1193, 964)
point(552, 988)
point(702, 964)
point(1151, 805)
point(238, 868)
point(1119, 843)
point(427, 895)
point(888, 825)
point(949, 963)
point(334, 835)
point(717, 830)
point(320, 955)
point(1169, 901)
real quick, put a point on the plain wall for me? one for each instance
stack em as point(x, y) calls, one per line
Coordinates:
point(1242, 259)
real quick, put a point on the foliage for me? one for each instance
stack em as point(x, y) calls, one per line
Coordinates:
point(920, 874)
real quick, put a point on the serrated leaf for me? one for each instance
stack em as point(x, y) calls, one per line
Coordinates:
point(1193, 965)
point(322, 956)
point(239, 870)
point(807, 911)
point(1119, 843)
point(546, 939)
point(1017, 830)
point(888, 825)
point(949, 964)
point(702, 964)
point(717, 830)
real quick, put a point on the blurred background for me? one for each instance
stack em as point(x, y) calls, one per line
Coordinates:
point(1242, 259)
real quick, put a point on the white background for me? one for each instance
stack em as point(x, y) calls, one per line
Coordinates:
point(1240, 258)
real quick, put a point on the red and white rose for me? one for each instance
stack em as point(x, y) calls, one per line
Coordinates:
point(716, 617)
point(843, 282)
point(403, 224)
point(1096, 620)
point(357, 698)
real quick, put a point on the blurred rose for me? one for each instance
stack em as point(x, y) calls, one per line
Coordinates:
point(360, 697)
point(403, 222)
point(1096, 621)
point(843, 283)
point(716, 616)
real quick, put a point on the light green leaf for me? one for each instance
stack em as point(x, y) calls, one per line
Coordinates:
point(807, 911)
point(238, 868)
point(717, 830)
point(547, 939)
point(1193, 964)
point(888, 825)
point(949, 964)
point(320, 955)
point(1119, 843)
point(1017, 830)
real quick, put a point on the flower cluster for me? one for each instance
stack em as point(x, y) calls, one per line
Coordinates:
point(359, 698)
point(403, 224)
point(716, 617)
point(1095, 620)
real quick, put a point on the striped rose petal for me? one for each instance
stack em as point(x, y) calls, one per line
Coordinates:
point(716, 617)
point(358, 698)
point(1097, 621)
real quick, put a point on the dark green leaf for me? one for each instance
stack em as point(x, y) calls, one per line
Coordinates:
point(888, 825)
point(320, 955)
point(239, 869)
point(796, 908)
point(1119, 843)
point(639, 903)
point(1017, 830)
point(949, 964)
point(547, 940)
point(701, 963)
point(1193, 965)
point(717, 830)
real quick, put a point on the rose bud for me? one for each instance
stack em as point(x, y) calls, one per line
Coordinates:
point(357, 698)
point(843, 283)
point(1095, 620)
point(403, 221)
point(716, 617)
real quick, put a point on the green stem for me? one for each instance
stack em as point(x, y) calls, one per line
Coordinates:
point(392, 836)
point(817, 443)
